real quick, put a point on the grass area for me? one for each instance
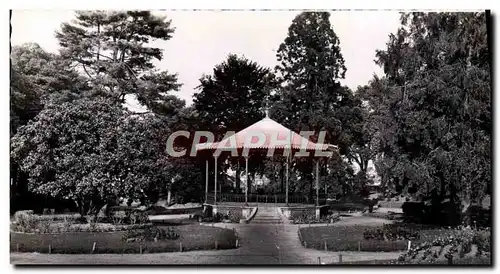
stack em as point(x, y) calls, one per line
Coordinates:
point(192, 237)
point(350, 238)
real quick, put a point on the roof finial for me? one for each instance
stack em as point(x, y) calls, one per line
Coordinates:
point(267, 112)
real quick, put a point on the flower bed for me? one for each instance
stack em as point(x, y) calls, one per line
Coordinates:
point(190, 237)
point(233, 215)
point(391, 233)
point(27, 222)
point(159, 210)
point(307, 215)
point(303, 217)
point(353, 238)
point(461, 246)
point(228, 214)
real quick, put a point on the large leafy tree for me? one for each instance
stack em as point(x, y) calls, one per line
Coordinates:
point(311, 96)
point(236, 89)
point(91, 151)
point(38, 77)
point(233, 97)
point(433, 108)
point(113, 49)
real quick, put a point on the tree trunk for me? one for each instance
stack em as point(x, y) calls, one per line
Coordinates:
point(311, 188)
point(249, 182)
point(282, 177)
point(237, 178)
point(169, 196)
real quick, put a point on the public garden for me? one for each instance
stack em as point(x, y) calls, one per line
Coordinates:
point(396, 172)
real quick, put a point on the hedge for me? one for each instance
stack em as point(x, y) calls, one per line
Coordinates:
point(159, 210)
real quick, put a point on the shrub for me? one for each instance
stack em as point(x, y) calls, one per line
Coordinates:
point(26, 221)
point(413, 211)
point(151, 234)
point(478, 216)
point(303, 216)
point(67, 225)
point(44, 226)
point(235, 216)
point(118, 217)
point(346, 206)
point(22, 214)
point(139, 217)
point(60, 217)
point(458, 244)
point(171, 234)
point(391, 233)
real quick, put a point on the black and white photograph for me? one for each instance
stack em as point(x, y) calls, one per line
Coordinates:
point(251, 137)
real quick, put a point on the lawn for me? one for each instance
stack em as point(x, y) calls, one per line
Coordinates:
point(192, 237)
point(350, 238)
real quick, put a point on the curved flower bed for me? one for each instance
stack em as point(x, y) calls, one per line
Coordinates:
point(188, 237)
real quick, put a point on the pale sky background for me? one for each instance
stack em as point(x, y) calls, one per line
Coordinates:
point(203, 39)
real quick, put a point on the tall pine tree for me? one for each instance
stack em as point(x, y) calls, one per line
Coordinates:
point(311, 96)
point(113, 49)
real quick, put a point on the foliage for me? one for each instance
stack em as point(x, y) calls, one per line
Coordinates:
point(463, 243)
point(391, 233)
point(429, 212)
point(36, 78)
point(52, 217)
point(478, 216)
point(346, 206)
point(139, 217)
point(91, 152)
point(27, 222)
point(233, 215)
point(50, 77)
point(128, 217)
point(432, 110)
point(237, 88)
point(310, 65)
point(113, 49)
point(305, 217)
point(151, 234)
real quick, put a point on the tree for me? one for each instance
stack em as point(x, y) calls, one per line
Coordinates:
point(91, 151)
point(233, 98)
point(311, 97)
point(112, 48)
point(237, 88)
point(433, 108)
point(37, 77)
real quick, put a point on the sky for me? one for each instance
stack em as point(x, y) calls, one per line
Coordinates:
point(203, 39)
